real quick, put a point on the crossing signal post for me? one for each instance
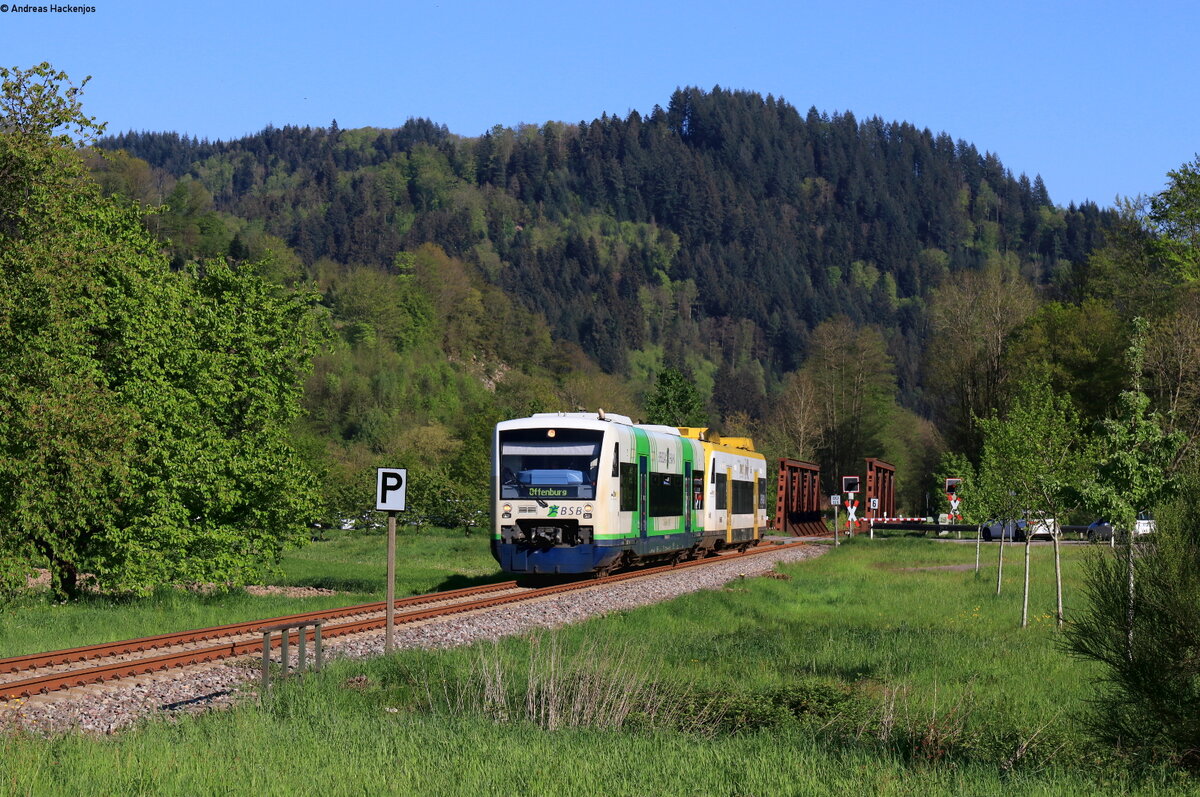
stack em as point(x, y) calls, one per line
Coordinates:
point(391, 493)
point(851, 486)
point(953, 486)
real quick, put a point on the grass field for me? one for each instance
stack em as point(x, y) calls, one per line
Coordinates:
point(872, 669)
point(352, 563)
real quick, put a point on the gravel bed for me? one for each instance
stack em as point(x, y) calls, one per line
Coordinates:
point(117, 706)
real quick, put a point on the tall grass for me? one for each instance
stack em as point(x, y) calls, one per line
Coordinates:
point(589, 686)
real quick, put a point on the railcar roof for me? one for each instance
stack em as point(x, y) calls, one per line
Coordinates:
point(566, 420)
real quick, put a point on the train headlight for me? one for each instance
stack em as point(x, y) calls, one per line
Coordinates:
point(587, 508)
point(506, 508)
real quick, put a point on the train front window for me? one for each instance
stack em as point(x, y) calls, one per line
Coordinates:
point(549, 463)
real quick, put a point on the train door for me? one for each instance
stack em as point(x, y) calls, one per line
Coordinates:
point(728, 504)
point(757, 487)
point(643, 492)
point(687, 497)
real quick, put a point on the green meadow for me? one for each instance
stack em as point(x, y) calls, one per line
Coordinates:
point(882, 667)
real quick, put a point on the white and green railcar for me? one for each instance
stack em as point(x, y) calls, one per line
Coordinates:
point(589, 492)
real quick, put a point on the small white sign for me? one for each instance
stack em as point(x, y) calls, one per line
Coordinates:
point(391, 487)
point(835, 500)
point(874, 503)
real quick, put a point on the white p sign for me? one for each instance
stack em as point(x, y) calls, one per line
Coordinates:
point(391, 485)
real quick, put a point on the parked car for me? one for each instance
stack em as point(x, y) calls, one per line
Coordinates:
point(1102, 530)
point(1042, 526)
point(1004, 530)
point(1099, 530)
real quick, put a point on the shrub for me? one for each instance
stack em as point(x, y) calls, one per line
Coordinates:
point(1143, 625)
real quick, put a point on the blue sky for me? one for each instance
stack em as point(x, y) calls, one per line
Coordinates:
point(1100, 98)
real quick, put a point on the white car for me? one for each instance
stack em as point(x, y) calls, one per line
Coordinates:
point(1042, 526)
point(1144, 524)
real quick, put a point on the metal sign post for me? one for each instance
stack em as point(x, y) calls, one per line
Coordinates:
point(391, 487)
point(389, 634)
point(835, 501)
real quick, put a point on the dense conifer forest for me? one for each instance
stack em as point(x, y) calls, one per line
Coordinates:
point(838, 287)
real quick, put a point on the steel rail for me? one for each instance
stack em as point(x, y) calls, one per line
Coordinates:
point(98, 674)
point(143, 644)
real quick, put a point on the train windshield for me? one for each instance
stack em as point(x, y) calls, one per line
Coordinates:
point(549, 463)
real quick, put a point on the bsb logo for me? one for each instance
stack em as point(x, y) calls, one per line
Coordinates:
point(553, 511)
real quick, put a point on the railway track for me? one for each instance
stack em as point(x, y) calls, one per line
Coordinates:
point(44, 673)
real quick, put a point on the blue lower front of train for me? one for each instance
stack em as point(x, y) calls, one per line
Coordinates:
point(525, 558)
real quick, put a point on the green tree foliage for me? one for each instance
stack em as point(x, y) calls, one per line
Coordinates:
point(1034, 456)
point(724, 212)
point(1174, 217)
point(145, 414)
point(1150, 259)
point(852, 379)
point(372, 305)
point(972, 320)
point(1125, 270)
point(1150, 702)
point(954, 465)
point(1079, 347)
point(1034, 460)
point(675, 401)
point(1134, 452)
point(1173, 371)
point(795, 422)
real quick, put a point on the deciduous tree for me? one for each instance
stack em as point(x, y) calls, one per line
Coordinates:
point(675, 401)
point(1174, 217)
point(795, 420)
point(971, 319)
point(1173, 371)
point(144, 413)
point(853, 382)
point(1134, 452)
point(1034, 460)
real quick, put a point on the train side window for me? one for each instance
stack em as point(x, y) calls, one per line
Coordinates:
point(616, 458)
point(743, 497)
point(762, 493)
point(722, 491)
point(665, 491)
point(697, 489)
point(629, 496)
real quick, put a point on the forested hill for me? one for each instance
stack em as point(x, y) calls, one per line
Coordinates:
point(715, 233)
